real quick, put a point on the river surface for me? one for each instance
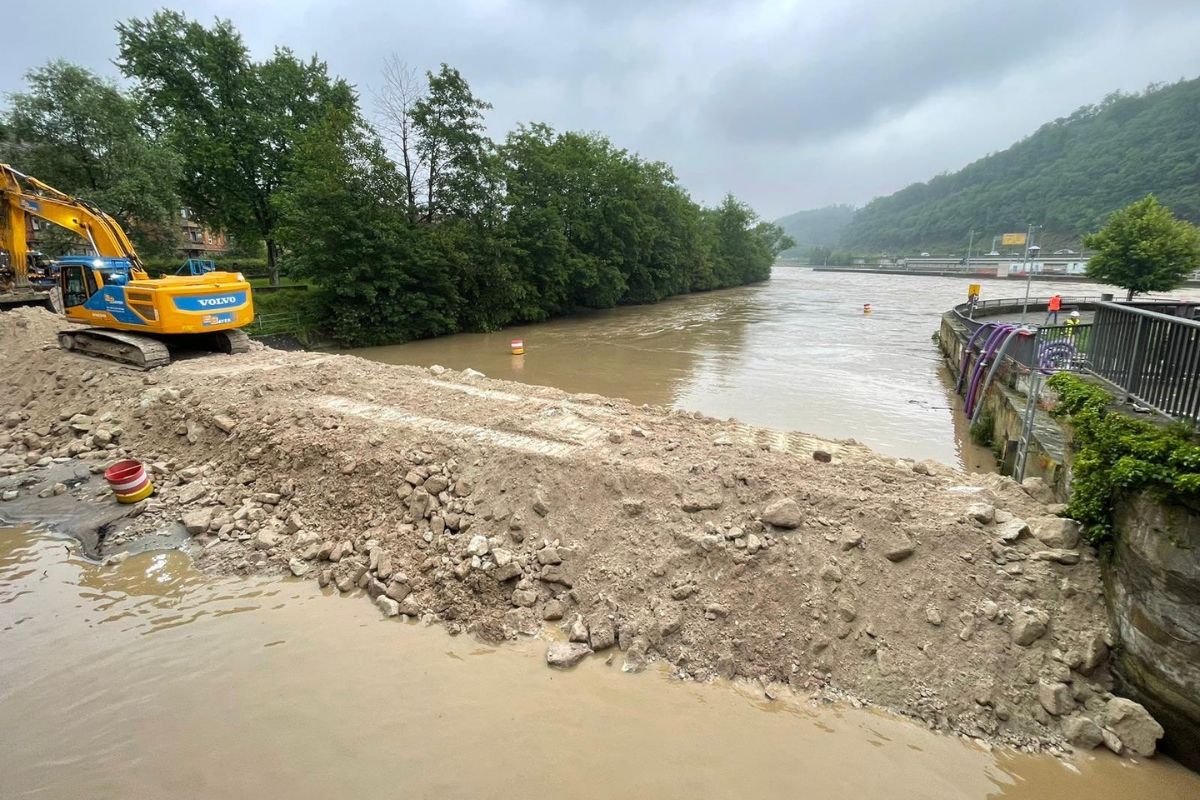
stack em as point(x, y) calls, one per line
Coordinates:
point(795, 353)
point(148, 680)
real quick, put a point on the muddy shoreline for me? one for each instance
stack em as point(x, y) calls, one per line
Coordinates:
point(642, 533)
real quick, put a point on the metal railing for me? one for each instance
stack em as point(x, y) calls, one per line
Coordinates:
point(1153, 358)
point(1053, 348)
point(278, 322)
point(984, 309)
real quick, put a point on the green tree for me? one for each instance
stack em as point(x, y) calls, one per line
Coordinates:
point(80, 134)
point(234, 121)
point(1144, 248)
point(342, 211)
point(451, 146)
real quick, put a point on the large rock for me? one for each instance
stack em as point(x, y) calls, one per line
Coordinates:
point(554, 573)
point(566, 654)
point(1011, 530)
point(265, 539)
point(1056, 532)
point(601, 634)
point(783, 513)
point(1082, 731)
point(524, 598)
point(1029, 625)
point(192, 492)
point(1037, 488)
point(506, 572)
point(387, 605)
point(898, 547)
point(549, 556)
point(983, 513)
point(196, 522)
point(1132, 723)
point(578, 631)
point(398, 590)
point(1055, 698)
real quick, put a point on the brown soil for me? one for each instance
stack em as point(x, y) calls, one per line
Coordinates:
point(492, 507)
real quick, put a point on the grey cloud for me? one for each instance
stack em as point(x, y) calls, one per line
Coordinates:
point(788, 104)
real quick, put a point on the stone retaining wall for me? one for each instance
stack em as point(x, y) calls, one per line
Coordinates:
point(1152, 584)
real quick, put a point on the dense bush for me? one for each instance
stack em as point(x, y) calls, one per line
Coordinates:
point(1117, 455)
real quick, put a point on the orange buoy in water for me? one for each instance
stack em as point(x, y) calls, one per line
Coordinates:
point(518, 347)
point(129, 481)
point(866, 308)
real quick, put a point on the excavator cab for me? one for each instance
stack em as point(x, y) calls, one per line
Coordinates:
point(77, 283)
point(81, 277)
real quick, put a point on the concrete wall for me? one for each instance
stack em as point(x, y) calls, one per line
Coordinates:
point(1005, 400)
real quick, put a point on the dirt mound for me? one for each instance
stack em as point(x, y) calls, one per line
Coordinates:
point(498, 508)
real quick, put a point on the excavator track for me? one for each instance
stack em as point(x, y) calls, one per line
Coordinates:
point(231, 341)
point(141, 352)
point(145, 352)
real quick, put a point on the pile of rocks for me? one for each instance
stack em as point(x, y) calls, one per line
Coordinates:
point(964, 601)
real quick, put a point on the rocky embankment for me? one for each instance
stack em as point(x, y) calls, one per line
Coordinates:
point(640, 533)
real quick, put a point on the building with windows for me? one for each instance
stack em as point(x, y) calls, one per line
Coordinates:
point(195, 240)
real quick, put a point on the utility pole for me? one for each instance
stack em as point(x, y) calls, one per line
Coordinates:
point(1028, 273)
point(970, 244)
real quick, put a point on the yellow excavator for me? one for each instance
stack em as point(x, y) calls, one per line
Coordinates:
point(132, 317)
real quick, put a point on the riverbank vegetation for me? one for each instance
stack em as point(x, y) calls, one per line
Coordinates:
point(1117, 455)
point(417, 225)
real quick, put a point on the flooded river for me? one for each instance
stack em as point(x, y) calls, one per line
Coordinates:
point(146, 680)
point(794, 353)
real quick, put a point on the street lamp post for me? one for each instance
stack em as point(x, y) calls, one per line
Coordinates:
point(1029, 248)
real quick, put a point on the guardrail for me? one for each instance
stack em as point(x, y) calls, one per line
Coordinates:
point(1153, 358)
point(1148, 351)
point(278, 322)
point(972, 318)
point(1053, 347)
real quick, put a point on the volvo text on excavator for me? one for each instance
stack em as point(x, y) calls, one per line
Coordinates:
point(133, 317)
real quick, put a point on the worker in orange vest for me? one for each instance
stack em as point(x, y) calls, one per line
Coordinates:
point(1052, 309)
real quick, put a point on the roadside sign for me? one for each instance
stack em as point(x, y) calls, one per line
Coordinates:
point(1012, 238)
point(973, 291)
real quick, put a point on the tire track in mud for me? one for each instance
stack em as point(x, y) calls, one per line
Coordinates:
point(525, 442)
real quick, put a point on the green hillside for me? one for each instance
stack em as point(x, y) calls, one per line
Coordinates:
point(817, 227)
point(1068, 177)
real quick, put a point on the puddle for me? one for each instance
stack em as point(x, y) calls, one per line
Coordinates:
point(147, 680)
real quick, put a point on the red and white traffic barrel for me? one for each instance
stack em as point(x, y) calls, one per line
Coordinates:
point(129, 481)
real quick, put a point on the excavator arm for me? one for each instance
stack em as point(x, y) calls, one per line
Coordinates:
point(22, 195)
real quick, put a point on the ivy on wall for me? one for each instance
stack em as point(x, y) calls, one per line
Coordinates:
point(1117, 455)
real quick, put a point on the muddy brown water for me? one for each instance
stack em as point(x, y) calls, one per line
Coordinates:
point(148, 680)
point(793, 353)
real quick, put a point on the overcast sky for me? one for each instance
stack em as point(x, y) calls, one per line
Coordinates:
point(789, 105)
